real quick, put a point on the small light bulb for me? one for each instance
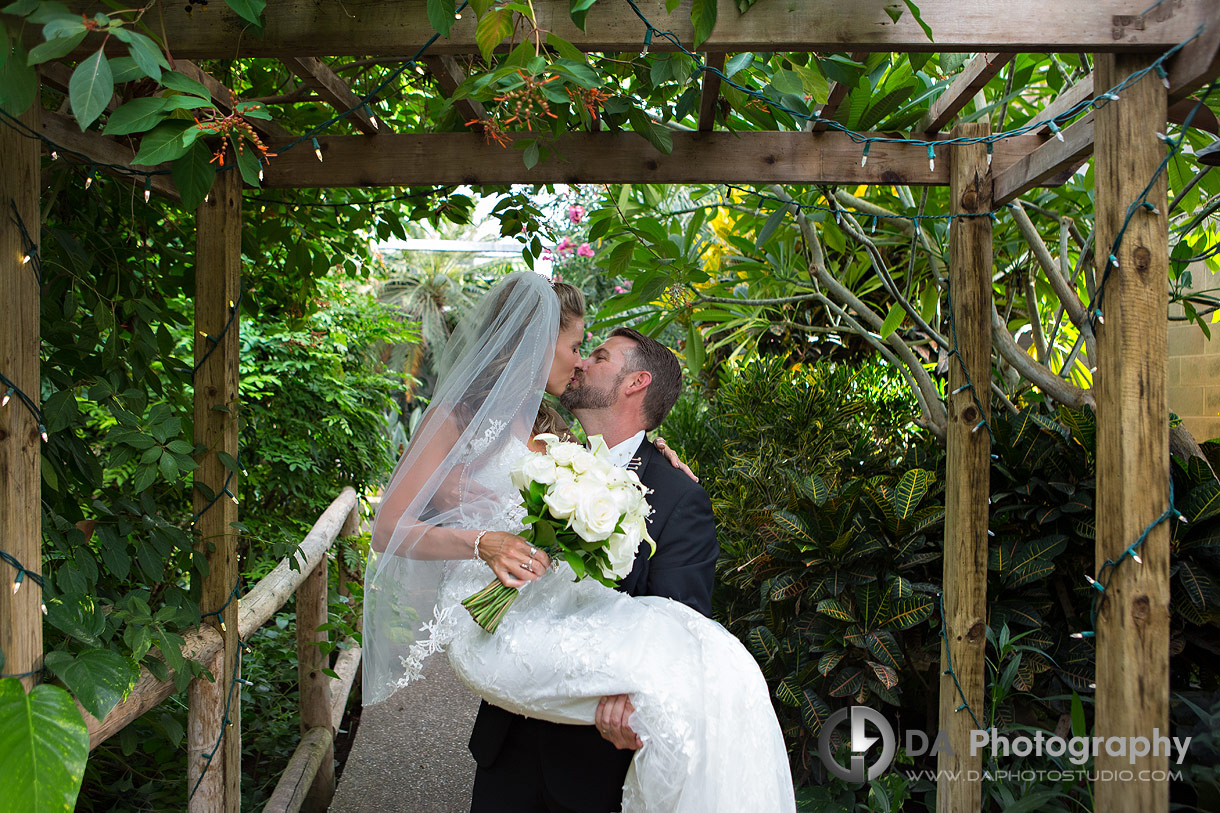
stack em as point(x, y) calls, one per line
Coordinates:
point(317, 149)
point(978, 426)
point(1137, 558)
point(54, 155)
point(43, 430)
point(373, 121)
point(990, 149)
point(260, 174)
point(864, 157)
point(207, 198)
point(931, 158)
point(88, 181)
point(223, 628)
point(44, 609)
point(147, 195)
point(1055, 129)
point(26, 259)
point(7, 397)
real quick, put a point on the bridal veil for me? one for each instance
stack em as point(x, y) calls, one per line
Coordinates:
point(492, 375)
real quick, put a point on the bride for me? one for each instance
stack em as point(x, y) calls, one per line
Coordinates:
point(448, 522)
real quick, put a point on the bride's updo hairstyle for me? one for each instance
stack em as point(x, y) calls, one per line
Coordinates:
point(571, 308)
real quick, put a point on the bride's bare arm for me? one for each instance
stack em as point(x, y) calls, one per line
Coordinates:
point(513, 560)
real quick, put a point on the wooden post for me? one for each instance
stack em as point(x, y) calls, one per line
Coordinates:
point(217, 290)
point(207, 703)
point(1132, 634)
point(314, 698)
point(967, 470)
point(20, 437)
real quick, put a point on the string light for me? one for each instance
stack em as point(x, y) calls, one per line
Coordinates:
point(88, 180)
point(147, 188)
point(931, 158)
point(1055, 129)
point(7, 397)
point(317, 148)
point(864, 157)
point(26, 259)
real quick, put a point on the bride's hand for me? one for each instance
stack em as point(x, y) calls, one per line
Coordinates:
point(513, 559)
point(672, 457)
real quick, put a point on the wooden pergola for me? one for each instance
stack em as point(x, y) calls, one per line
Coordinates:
point(1132, 635)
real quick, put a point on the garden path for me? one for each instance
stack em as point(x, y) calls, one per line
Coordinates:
point(410, 751)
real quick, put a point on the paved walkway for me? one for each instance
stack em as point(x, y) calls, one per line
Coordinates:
point(410, 751)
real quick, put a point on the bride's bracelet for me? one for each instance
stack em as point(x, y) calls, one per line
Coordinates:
point(478, 539)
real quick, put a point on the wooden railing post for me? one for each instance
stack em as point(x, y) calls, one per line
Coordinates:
point(314, 684)
point(967, 470)
point(1132, 634)
point(217, 306)
point(20, 436)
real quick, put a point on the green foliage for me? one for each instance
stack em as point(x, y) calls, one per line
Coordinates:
point(43, 747)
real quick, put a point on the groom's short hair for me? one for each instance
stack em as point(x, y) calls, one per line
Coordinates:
point(661, 363)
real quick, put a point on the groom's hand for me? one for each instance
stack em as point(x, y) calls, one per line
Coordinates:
point(611, 718)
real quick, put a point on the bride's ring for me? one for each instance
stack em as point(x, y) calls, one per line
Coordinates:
point(527, 566)
point(533, 550)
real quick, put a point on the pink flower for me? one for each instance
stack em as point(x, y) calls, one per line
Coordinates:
point(565, 245)
point(546, 254)
point(627, 285)
point(589, 336)
point(556, 277)
point(576, 213)
point(584, 251)
point(618, 289)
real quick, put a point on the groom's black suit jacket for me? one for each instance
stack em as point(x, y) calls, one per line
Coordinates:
point(581, 770)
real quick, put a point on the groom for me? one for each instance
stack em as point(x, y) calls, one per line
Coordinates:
point(626, 387)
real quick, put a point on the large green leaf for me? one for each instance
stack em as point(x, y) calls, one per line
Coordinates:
point(578, 10)
point(168, 141)
point(493, 27)
point(814, 711)
point(792, 524)
point(56, 47)
point(703, 16)
point(440, 14)
point(836, 609)
point(43, 747)
point(762, 642)
point(147, 54)
point(76, 615)
point(99, 678)
point(910, 490)
point(90, 88)
point(907, 612)
point(136, 116)
point(18, 81)
point(193, 174)
point(250, 9)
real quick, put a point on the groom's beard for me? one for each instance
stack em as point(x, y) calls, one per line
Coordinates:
point(587, 396)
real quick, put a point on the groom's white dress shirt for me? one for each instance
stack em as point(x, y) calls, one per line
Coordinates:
point(621, 453)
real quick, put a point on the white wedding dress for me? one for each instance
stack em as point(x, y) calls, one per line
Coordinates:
point(703, 711)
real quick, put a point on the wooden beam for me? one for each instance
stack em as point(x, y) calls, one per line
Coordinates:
point(1065, 101)
point(1046, 164)
point(978, 72)
point(313, 697)
point(334, 91)
point(104, 152)
point(20, 435)
point(223, 97)
point(834, 98)
point(217, 320)
point(1132, 633)
point(711, 93)
point(407, 159)
point(1196, 64)
point(380, 28)
point(967, 472)
point(289, 795)
point(448, 75)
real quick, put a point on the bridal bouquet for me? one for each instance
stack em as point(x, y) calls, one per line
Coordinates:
point(579, 508)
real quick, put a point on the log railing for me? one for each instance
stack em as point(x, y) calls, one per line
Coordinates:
point(309, 780)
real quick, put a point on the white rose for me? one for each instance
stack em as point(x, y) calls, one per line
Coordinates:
point(583, 461)
point(562, 453)
point(562, 497)
point(517, 474)
point(624, 497)
point(539, 469)
point(547, 438)
point(596, 515)
point(564, 474)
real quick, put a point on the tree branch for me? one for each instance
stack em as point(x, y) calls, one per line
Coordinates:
point(1067, 296)
point(1033, 372)
point(904, 224)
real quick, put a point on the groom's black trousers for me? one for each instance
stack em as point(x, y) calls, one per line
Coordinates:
point(527, 776)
